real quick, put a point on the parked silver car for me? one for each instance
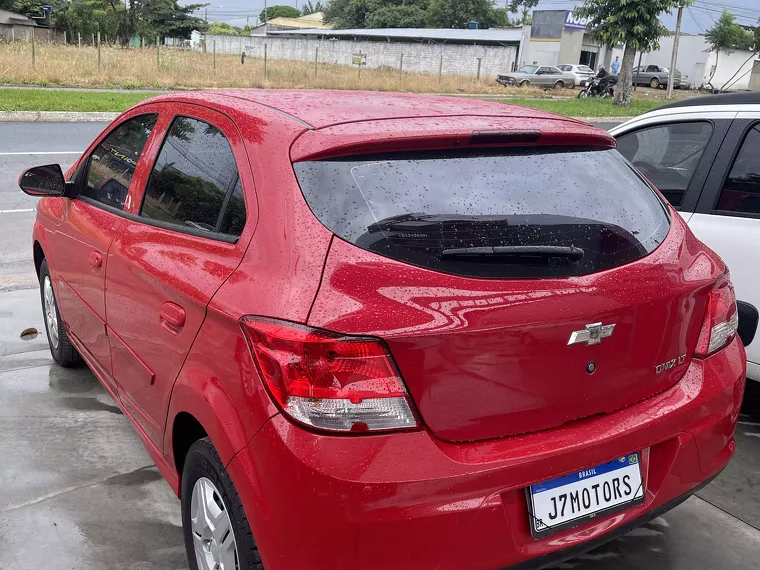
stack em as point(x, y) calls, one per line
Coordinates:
point(581, 74)
point(540, 76)
point(655, 76)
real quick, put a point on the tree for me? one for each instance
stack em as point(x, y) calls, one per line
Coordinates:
point(456, 13)
point(273, 12)
point(413, 13)
point(166, 18)
point(222, 29)
point(725, 37)
point(397, 17)
point(309, 8)
point(355, 13)
point(348, 13)
point(635, 23)
point(522, 7)
point(87, 17)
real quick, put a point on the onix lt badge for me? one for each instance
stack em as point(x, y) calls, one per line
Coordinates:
point(591, 334)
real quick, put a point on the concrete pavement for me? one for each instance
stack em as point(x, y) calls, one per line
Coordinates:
point(77, 489)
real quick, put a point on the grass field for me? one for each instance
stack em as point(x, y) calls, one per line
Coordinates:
point(62, 100)
point(61, 65)
point(589, 107)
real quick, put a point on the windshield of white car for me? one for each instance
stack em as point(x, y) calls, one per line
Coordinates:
point(530, 69)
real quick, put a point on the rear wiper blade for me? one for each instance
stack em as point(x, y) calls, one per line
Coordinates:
point(473, 253)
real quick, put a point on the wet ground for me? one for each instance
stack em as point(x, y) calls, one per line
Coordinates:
point(78, 491)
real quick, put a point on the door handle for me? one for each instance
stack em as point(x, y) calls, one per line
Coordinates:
point(172, 317)
point(95, 259)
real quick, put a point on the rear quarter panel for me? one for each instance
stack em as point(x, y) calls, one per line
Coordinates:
point(278, 277)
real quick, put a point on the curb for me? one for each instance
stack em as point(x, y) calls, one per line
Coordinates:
point(56, 117)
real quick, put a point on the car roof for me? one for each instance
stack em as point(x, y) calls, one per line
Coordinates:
point(322, 108)
point(738, 98)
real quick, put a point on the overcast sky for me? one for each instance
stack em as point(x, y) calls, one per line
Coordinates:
point(697, 18)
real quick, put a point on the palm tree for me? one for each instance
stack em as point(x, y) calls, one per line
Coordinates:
point(309, 8)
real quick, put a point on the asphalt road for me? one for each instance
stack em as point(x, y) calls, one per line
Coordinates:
point(77, 490)
point(23, 145)
point(29, 144)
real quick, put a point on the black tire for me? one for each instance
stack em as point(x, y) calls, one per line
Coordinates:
point(654, 83)
point(524, 83)
point(64, 353)
point(583, 93)
point(557, 86)
point(202, 460)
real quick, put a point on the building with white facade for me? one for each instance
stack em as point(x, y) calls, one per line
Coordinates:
point(558, 36)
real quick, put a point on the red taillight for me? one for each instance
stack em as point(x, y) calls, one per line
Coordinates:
point(328, 380)
point(721, 318)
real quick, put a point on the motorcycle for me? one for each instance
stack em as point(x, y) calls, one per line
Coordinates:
point(599, 87)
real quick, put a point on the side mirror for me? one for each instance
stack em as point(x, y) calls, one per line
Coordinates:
point(748, 317)
point(45, 180)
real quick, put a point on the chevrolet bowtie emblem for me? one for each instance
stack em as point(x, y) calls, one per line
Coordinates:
point(592, 334)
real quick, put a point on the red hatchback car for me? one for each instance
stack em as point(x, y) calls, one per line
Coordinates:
point(363, 330)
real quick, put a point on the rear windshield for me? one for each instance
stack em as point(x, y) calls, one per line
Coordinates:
point(507, 214)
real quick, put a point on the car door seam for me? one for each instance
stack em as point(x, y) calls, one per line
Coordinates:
point(321, 277)
point(192, 343)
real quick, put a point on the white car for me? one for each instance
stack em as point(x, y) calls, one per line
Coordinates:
point(703, 153)
point(581, 74)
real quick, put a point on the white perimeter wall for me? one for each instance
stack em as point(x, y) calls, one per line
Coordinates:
point(458, 59)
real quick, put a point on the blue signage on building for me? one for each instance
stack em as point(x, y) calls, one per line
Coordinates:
point(573, 22)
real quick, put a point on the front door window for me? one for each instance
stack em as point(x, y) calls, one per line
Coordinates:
point(113, 163)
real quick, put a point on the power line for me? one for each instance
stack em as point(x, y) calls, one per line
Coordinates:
point(708, 11)
point(745, 13)
point(696, 22)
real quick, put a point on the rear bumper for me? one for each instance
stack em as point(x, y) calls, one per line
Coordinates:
point(411, 501)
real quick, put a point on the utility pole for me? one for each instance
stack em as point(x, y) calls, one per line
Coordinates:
point(674, 57)
point(266, 17)
point(206, 16)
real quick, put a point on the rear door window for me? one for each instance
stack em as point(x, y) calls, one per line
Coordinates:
point(668, 155)
point(504, 214)
point(195, 184)
point(741, 190)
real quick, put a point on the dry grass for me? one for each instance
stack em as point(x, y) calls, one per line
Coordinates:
point(179, 69)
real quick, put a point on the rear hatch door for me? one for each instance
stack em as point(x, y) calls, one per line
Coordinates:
point(518, 288)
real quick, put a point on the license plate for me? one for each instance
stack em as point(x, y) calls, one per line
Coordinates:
point(568, 501)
